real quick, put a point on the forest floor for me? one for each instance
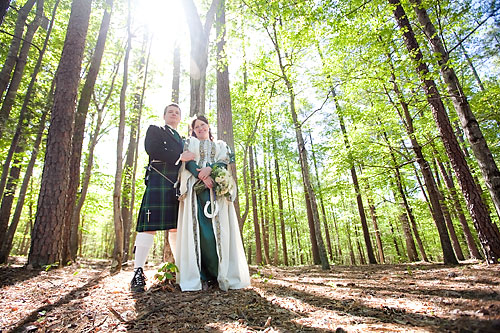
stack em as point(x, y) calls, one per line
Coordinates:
point(417, 297)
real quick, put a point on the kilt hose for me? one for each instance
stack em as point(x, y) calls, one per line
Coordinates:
point(160, 206)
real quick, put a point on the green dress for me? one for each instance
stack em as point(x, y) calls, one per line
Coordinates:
point(209, 259)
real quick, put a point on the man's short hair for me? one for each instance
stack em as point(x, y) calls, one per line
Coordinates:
point(171, 104)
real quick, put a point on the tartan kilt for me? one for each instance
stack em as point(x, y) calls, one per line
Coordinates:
point(160, 206)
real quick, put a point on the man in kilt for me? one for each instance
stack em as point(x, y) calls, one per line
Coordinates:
point(159, 207)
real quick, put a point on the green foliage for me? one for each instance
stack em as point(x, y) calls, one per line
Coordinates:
point(166, 272)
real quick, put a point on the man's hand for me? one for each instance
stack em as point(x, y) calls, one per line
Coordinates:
point(187, 156)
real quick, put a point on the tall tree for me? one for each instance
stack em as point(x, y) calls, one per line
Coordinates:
point(79, 131)
point(4, 5)
point(117, 216)
point(11, 58)
point(46, 243)
point(359, 200)
point(200, 34)
point(487, 231)
point(486, 162)
point(21, 61)
point(258, 244)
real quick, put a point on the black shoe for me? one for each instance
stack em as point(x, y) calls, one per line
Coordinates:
point(138, 281)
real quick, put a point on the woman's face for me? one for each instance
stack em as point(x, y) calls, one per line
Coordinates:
point(201, 129)
point(172, 116)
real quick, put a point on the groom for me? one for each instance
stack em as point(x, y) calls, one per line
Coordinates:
point(159, 207)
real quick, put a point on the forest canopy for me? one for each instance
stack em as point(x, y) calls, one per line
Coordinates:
point(365, 132)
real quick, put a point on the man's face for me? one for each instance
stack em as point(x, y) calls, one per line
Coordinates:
point(172, 116)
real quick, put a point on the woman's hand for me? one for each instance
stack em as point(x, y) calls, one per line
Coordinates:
point(209, 182)
point(187, 156)
point(204, 173)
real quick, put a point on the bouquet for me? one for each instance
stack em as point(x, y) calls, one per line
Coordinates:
point(223, 182)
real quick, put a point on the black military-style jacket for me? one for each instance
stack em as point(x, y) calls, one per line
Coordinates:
point(162, 145)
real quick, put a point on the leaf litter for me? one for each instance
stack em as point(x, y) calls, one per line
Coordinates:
point(418, 297)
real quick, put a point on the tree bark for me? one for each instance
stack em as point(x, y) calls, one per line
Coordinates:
point(46, 243)
point(11, 59)
point(17, 75)
point(373, 214)
point(176, 74)
point(199, 52)
point(224, 109)
point(359, 200)
point(469, 239)
point(280, 203)
point(263, 221)
point(79, 132)
point(7, 241)
point(486, 162)
point(4, 6)
point(321, 203)
point(430, 184)
point(310, 196)
point(258, 245)
point(117, 216)
point(488, 232)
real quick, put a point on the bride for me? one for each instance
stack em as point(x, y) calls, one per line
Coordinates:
point(209, 246)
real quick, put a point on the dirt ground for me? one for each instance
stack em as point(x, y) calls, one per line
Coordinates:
point(418, 297)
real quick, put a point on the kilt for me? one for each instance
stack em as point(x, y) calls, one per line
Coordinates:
point(160, 206)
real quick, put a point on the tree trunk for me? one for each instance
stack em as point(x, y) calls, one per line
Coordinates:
point(321, 204)
point(430, 184)
point(339, 248)
point(199, 52)
point(4, 5)
point(79, 132)
point(273, 215)
point(7, 242)
point(359, 200)
point(11, 59)
point(46, 243)
point(265, 216)
point(469, 239)
point(394, 239)
point(258, 246)
point(12, 93)
point(280, 203)
point(94, 138)
point(10, 191)
point(486, 162)
point(17, 75)
point(487, 231)
point(117, 216)
point(263, 220)
point(292, 201)
point(447, 218)
point(373, 213)
point(310, 196)
point(176, 74)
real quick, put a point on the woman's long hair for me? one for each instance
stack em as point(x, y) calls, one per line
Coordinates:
point(205, 120)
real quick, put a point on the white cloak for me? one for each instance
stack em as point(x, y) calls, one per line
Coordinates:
point(233, 268)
